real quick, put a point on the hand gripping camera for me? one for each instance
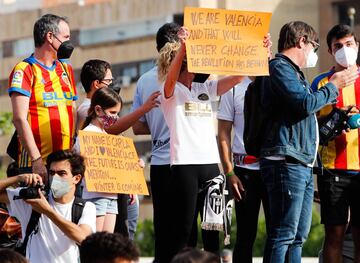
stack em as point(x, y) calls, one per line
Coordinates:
point(337, 121)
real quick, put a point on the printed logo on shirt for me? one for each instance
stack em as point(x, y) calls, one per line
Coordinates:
point(198, 109)
point(160, 143)
point(65, 78)
point(17, 78)
point(55, 99)
point(203, 96)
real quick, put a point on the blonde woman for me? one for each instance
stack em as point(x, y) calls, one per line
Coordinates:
point(194, 154)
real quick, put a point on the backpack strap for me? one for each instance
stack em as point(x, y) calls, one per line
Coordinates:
point(33, 224)
point(30, 228)
point(31, 63)
point(28, 60)
point(234, 103)
point(77, 209)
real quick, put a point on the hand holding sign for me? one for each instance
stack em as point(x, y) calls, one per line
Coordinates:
point(268, 44)
point(226, 42)
point(183, 34)
point(112, 164)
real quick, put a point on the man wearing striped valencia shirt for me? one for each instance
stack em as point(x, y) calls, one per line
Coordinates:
point(43, 95)
point(339, 185)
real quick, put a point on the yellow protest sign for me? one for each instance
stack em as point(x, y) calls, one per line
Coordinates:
point(226, 42)
point(112, 164)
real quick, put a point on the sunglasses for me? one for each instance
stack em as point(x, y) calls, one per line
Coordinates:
point(315, 45)
point(107, 81)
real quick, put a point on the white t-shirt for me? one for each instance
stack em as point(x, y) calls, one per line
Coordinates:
point(189, 116)
point(160, 135)
point(50, 244)
point(86, 194)
point(82, 113)
point(231, 108)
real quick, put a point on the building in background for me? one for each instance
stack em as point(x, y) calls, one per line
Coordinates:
point(123, 33)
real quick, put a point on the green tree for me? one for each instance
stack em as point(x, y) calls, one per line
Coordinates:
point(145, 237)
point(6, 125)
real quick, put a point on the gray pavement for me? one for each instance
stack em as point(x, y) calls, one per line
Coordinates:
point(256, 260)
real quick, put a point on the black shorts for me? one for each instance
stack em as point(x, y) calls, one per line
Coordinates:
point(339, 190)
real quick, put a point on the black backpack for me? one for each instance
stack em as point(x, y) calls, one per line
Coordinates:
point(255, 115)
point(33, 225)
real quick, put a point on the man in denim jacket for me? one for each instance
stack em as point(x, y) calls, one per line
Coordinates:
point(291, 140)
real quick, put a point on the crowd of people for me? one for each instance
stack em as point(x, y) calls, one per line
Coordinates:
point(64, 222)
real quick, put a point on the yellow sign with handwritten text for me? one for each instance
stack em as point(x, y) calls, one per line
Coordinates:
point(226, 42)
point(112, 164)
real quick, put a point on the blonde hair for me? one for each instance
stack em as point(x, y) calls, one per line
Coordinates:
point(166, 56)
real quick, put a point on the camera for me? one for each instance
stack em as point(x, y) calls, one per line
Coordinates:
point(337, 121)
point(31, 192)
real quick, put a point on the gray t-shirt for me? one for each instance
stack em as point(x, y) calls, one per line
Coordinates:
point(160, 135)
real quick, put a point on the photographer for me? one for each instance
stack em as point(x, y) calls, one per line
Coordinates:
point(55, 237)
point(339, 185)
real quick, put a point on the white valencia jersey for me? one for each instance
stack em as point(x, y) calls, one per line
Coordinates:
point(189, 116)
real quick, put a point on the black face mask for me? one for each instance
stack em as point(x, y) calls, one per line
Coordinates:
point(115, 88)
point(200, 77)
point(65, 50)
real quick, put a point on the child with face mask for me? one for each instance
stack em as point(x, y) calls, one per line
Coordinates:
point(103, 112)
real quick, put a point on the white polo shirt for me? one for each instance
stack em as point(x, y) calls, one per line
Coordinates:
point(231, 108)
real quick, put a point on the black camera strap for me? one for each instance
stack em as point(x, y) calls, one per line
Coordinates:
point(319, 169)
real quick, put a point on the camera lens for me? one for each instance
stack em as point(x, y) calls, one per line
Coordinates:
point(29, 193)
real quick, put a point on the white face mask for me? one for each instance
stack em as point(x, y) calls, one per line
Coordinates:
point(346, 56)
point(311, 59)
point(59, 187)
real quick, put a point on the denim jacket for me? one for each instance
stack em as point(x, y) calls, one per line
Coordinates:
point(291, 128)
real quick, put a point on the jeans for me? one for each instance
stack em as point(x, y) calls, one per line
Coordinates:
point(290, 191)
point(247, 213)
point(133, 215)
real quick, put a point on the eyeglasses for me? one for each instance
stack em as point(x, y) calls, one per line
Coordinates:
point(316, 45)
point(107, 82)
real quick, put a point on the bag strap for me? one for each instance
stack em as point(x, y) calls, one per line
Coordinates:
point(234, 103)
point(28, 60)
point(77, 209)
point(31, 227)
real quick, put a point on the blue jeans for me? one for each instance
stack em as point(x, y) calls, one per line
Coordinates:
point(290, 190)
point(133, 215)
